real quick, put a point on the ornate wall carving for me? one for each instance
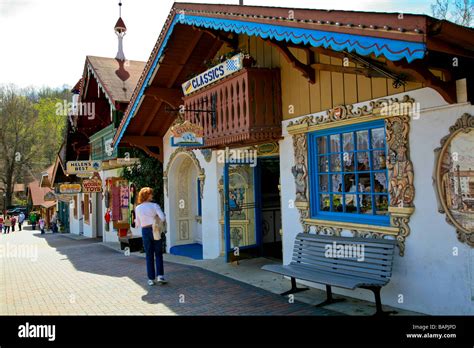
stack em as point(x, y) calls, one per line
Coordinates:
point(400, 168)
point(192, 156)
point(453, 178)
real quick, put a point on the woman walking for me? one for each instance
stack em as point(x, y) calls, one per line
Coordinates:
point(146, 212)
point(42, 224)
point(7, 224)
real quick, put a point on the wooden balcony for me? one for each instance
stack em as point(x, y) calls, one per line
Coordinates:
point(247, 108)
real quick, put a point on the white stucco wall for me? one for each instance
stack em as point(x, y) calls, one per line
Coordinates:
point(210, 215)
point(74, 224)
point(429, 277)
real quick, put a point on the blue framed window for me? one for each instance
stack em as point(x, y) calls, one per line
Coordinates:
point(348, 174)
point(199, 200)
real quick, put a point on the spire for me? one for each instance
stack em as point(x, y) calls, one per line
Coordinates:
point(120, 30)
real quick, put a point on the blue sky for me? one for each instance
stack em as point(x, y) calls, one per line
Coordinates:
point(44, 42)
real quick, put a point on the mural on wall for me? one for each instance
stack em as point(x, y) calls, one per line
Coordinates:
point(454, 177)
point(400, 168)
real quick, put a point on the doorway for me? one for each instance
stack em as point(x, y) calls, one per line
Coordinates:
point(270, 203)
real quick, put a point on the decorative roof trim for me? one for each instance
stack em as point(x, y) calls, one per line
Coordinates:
point(364, 45)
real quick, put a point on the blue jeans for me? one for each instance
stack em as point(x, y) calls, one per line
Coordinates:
point(153, 251)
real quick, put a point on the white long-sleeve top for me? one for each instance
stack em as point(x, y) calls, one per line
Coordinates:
point(145, 214)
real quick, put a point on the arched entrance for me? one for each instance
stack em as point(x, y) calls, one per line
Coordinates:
point(184, 181)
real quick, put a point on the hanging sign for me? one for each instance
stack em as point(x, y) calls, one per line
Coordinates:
point(49, 197)
point(92, 185)
point(187, 134)
point(213, 74)
point(76, 167)
point(70, 188)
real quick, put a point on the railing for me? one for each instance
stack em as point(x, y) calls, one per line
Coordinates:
point(247, 108)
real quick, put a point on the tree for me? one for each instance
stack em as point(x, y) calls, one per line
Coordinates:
point(30, 133)
point(462, 11)
point(147, 173)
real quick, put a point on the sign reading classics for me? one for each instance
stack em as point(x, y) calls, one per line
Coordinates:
point(213, 74)
point(75, 167)
point(187, 134)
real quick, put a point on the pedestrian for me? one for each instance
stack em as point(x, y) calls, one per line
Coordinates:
point(8, 224)
point(21, 218)
point(13, 220)
point(33, 220)
point(54, 222)
point(1, 223)
point(41, 224)
point(146, 213)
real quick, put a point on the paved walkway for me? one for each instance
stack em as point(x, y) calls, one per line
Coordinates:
point(54, 274)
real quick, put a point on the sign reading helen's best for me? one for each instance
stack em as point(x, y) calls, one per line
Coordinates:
point(213, 74)
point(75, 167)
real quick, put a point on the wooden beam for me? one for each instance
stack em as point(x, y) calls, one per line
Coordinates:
point(305, 69)
point(347, 70)
point(422, 74)
point(170, 96)
point(146, 143)
point(232, 42)
point(151, 117)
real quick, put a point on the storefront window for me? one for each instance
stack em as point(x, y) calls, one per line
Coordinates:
point(349, 174)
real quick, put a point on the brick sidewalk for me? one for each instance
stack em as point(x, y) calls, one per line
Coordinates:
point(83, 277)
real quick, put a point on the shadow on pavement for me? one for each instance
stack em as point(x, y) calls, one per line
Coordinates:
point(191, 290)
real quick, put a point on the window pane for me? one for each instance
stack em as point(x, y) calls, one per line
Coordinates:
point(379, 160)
point(380, 182)
point(348, 158)
point(378, 138)
point(323, 183)
point(337, 203)
point(351, 203)
point(364, 182)
point(322, 145)
point(350, 183)
point(381, 204)
point(323, 164)
point(348, 141)
point(336, 163)
point(363, 161)
point(324, 202)
point(336, 182)
point(363, 140)
point(335, 143)
point(365, 204)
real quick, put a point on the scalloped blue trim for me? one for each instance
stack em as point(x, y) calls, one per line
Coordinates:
point(364, 45)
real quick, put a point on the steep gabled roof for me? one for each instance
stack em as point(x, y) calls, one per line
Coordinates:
point(117, 78)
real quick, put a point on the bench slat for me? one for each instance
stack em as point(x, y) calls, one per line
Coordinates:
point(343, 261)
point(374, 246)
point(342, 271)
point(340, 266)
point(308, 236)
point(368, 255)
point(370, 252)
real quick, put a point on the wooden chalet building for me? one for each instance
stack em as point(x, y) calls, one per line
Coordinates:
point(326, 122)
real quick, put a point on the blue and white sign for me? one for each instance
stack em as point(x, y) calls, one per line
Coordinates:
point(214, 74)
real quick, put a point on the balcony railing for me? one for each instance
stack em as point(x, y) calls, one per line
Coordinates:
point(247, 108)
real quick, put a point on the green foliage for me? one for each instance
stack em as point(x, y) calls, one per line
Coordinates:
point(147, 173)
point(30, 133)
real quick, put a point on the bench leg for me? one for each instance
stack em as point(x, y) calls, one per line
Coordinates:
point(329, 298)
point(293, 289)
point(378, 302)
